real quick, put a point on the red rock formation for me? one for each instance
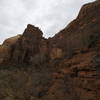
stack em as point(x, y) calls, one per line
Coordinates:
point(27, 46)
point(81, 32)
point(65, 67)
point(6, 47)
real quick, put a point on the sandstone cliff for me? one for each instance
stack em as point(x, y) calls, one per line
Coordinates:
point(65, 67)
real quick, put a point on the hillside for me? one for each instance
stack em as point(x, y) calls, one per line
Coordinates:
point(65, 67)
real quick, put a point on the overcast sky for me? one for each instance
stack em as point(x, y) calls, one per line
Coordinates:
point(49, 15)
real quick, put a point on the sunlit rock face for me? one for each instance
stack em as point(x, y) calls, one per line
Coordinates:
point(56, 53)
point(65, 67)
point(11, 41)
point(4, 52)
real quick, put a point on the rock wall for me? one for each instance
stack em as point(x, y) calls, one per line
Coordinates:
point(65, 67)
point(79, 34)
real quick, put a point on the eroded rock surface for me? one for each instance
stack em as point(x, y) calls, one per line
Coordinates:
point(65, 67)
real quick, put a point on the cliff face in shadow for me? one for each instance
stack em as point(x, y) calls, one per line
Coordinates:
point(65, 67)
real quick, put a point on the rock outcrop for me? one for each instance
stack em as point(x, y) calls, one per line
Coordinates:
point(81, 32)
point(6, 47)
point(65, 67)
point(27, 46)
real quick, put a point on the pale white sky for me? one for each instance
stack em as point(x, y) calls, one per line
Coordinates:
point(49, 15)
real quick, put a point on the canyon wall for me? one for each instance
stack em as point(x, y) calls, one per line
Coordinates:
point(65, 67)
